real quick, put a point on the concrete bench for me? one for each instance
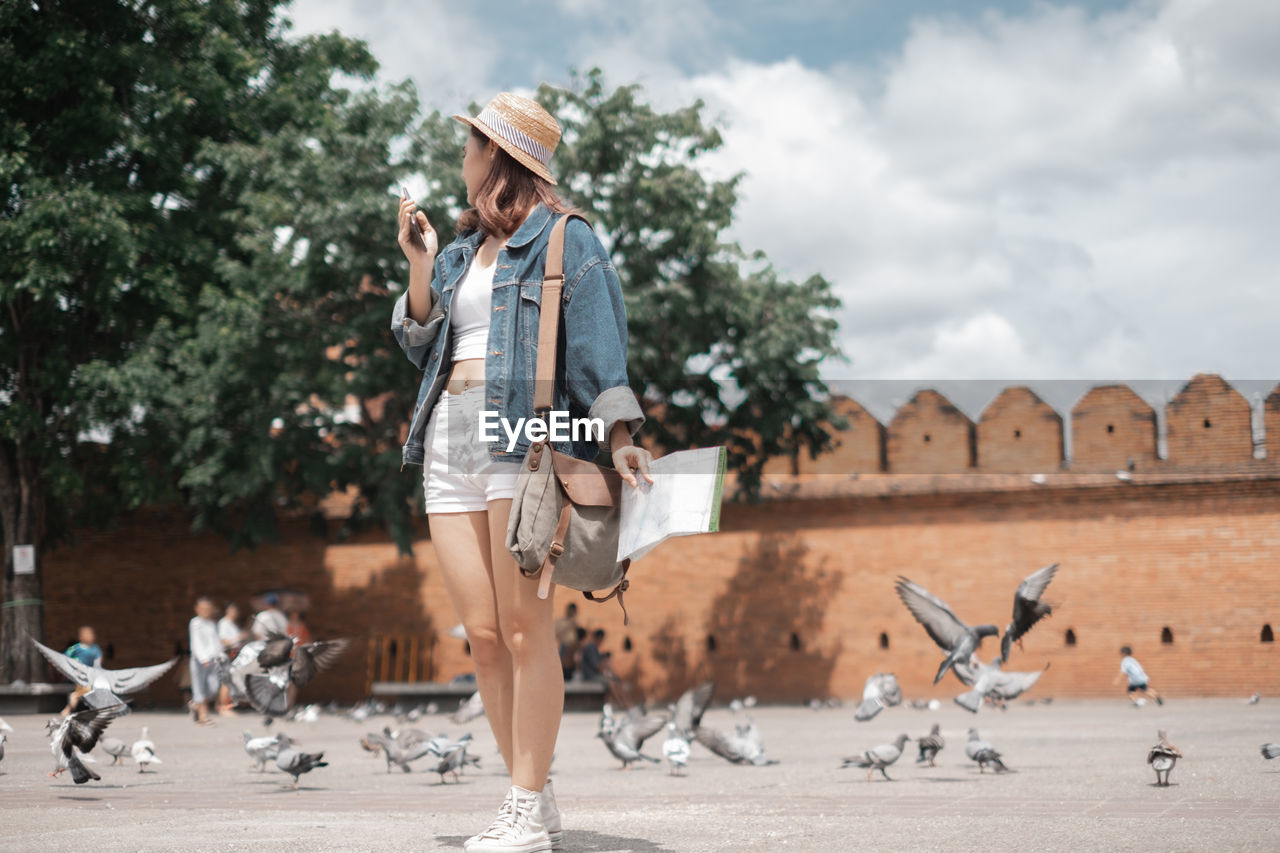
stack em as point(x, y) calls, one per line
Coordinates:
point(578, 695)
point(33, 698)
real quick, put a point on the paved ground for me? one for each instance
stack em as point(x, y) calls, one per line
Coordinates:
point(1081, 783)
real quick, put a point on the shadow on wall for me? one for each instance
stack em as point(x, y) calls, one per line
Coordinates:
point(762, 632)
point(669, 657)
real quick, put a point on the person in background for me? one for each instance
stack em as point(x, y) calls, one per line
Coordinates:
point(1138, 681)
point(85, 651)
point(569, 638)
point(270, 620)
point(232, 637)
point(206, 650)
point(297, 628)
point(593, 662)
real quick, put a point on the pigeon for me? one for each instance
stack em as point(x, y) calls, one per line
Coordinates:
point(930, 745)
point(879, 757)
point(675, 749)
point(1252, 700)
point(106, 686)
point(1028, 609)
point(261, 749)
point(296, 763)
point(399, 753)
point(144, 751)
point(441, 745)
point(954, 637)
point(625, 735)
point(982, 752)
point(1162, 757)
point(3, 738)
point(269, 694)
point(1271, 750)
point(5, 727)
point(468, 710)
point(880, 691)
point(75, 735)
point(117, 749)
point(689, 708)
point(451, 762)
point(995, 684)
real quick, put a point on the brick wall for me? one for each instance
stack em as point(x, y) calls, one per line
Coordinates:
point(792, 597)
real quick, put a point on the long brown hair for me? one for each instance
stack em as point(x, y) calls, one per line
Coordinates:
point(506, 194)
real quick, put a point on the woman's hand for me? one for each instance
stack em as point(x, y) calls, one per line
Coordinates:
point(409, 242)
point(630, 458)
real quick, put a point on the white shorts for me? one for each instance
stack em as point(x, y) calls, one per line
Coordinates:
point(457, 474)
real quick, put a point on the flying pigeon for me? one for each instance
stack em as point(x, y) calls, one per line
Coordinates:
point(5, 727)
point(930, 745)
point(144, 751)
point(982, 752)
point(879, 757)
point(954, 637)
point(106, 686)
point(1028, 609)
point(675, 749)
point(1271, 750)
point(995, 684)
point(880, 691)
point(399, 753)
point(269, 694)
point(689, 708)
point(296, 763)
point(114, 747)
point(75, 735)
point(261, 749)
point(1162, 757)
point(626, 734)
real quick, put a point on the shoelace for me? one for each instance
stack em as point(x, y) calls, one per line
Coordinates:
point(502, 822)
point(523, 812)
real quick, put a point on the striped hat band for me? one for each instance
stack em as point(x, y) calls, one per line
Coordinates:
point(515, 135)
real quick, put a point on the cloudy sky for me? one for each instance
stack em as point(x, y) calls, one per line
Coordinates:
point(1007, 191)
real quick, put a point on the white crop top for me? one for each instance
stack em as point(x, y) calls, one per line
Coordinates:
point(472, 305)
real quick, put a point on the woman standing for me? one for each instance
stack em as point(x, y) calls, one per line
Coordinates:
point(469, 321)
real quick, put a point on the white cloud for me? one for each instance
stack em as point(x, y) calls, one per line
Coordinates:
point(1050, 195)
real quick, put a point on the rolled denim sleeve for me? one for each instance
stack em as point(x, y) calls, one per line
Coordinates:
point(415, 338)
point(596, 347)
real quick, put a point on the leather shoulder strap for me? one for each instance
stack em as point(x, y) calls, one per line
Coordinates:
point(549, 317)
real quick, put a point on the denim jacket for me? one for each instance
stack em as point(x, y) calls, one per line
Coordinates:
point(591, 371)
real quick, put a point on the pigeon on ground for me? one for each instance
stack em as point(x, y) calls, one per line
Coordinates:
point(1162, 757)
point(930, 745)
point(401, 754)
point(1252, 700)
point(1271, 750)
point(954, 637)
point(624, 735)
point(1028, 609)
point(982, 752)
point(269, 694)
point(296, 763)
point(675, 749)
point(75, 735)
point(451, 762)
point(114, 747)
point(880, 691)
point(144, 751)
point(689, 708)
point(106, 686)
point(261, 749)
point(5, 727)
point(879, 757)
point(468, 710)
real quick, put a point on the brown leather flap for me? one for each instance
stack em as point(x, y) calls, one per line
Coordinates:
point(586, 483)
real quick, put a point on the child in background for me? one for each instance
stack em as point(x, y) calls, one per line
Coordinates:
point(1138, 681)
point(86, 652)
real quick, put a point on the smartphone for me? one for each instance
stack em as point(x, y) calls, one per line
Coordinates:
point(413, 219)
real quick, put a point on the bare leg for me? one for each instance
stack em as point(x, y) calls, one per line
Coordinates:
point(462, 544)
point(528, 630)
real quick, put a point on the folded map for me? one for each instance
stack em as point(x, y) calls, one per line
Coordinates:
point(684, 498)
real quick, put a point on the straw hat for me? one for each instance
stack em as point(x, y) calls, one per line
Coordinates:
point(522, 127)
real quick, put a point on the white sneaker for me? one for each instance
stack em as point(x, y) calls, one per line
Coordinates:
point(526, 834)
point(551, 815)
point(500, 824)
